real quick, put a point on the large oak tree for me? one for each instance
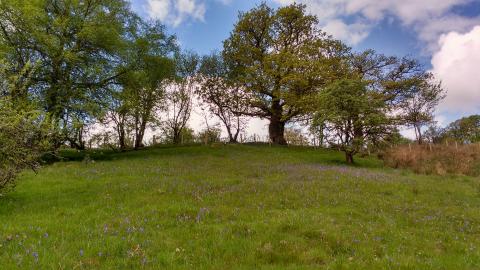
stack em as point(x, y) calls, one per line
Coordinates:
point(280, 57)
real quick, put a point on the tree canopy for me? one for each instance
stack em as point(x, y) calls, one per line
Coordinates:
point(279, 56)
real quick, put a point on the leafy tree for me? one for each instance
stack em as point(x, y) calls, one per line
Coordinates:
point(119, 116)
point(396, 79)
point(419, 107)
point(434, 134)
point(388, 83)
point(179, 95)
point(224, 99)
point(149, 67)
point(352, 114)
point(24, 130)
point(280, 57)
point(22, 141)
point(75, 44)
point(465, 130)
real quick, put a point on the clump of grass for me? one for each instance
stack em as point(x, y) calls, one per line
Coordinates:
point(436, 159)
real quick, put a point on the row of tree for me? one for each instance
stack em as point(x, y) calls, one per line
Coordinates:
point(73, 64)
point(279, 66)
point(465, 130)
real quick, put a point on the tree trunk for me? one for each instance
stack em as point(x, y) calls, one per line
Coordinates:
point(139, 137)
point(177, 136)
point(121, 139)
point(349, 157)
point(418, 129)
point(233, 138)
point(276, 131)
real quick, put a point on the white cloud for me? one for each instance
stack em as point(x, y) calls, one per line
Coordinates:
point(158, 9)
point(354, 33)
point(457, 65)
point(175, 12)
point(429, 18)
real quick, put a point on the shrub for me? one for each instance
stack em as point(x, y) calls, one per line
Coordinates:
point(295, 137)
point(209, 135)
point(436, 159)
point(22, 141)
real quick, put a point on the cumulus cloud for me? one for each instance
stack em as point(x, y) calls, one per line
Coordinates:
point(175, 12)
point(446, 36)
point(429, 18)
point(354, 33)
point(457, 64)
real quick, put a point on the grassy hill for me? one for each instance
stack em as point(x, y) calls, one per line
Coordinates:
point(237, 207)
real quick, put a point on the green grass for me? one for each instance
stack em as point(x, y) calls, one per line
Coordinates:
point(237, 207)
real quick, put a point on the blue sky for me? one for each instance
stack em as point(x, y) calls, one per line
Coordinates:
point(443, 34)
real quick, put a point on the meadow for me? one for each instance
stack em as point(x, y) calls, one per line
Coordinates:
point(237, 207)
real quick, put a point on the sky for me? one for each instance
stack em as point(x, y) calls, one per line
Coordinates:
point(443, 34)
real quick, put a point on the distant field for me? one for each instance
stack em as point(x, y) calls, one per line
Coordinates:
point(237, 207)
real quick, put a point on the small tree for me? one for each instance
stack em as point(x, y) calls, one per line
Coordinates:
point(224, 99)
point(24, 131)
point(21, 142)
point(351, 115)
point(179, 103)
point(140, 92)
point(434, 134)
point(419, 107)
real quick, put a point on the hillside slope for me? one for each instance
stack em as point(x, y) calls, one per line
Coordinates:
point(237, 207)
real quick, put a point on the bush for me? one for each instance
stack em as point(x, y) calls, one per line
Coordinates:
point(21, 142)
point(295, 137)
point(209, 135)
point(436, 159)
point(187, 136)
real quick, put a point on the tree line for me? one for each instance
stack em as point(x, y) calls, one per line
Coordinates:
point(67, 65)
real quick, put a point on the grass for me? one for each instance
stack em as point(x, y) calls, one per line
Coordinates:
point(237, 207)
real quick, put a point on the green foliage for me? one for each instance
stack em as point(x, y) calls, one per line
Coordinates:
point(24, 129)
point(187, 136)
point(23, 138)
point(149, 67)
point(280, 57)
point(465, 130)
point(420, 105)
point(209, 135)
point(352, 115)
point(223, 97)
point(74, 42)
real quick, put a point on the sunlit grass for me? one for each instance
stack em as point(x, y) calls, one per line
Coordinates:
point(237, 207)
